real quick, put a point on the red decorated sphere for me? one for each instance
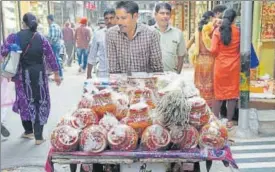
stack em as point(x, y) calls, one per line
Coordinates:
point(213, 136)
point(155, 137)
point(93, 139)
point(122, 138)
point(83, 118)
point(65, 139)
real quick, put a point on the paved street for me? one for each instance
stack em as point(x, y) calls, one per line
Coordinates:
point(252, 156)
point(255, 155)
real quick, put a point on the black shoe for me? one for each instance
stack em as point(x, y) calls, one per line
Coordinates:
point(4, 131)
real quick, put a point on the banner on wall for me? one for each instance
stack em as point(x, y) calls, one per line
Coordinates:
point(268, 21)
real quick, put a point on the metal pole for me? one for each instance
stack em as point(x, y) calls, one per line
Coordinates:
point(244, 130)
point(2, 24)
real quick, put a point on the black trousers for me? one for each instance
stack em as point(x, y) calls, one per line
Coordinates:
point(32, 74)
point(35, 128)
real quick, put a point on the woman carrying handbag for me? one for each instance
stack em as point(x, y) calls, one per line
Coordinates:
point(31, 81)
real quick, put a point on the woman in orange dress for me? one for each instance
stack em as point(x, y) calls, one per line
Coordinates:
point(203, 60)
point(225, 46)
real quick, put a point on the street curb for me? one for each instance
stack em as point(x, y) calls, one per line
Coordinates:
point(32, 165)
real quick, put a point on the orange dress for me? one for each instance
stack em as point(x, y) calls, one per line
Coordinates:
point(227, 65)
point(204, 73)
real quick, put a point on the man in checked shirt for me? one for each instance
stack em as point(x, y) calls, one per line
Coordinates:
point(132, 47)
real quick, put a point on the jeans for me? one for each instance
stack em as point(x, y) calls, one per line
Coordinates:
point(82, 54)
point(56, 51)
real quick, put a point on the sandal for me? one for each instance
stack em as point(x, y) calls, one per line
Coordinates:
point(28, 136)
point(229, 125)
point(39, 142)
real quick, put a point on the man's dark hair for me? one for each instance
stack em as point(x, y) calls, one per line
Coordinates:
point(50, 17)
point(109, 11)
point(219, 8)
point(130, 6)
point(163, 5)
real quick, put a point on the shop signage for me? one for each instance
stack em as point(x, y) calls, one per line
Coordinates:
point(268, 21)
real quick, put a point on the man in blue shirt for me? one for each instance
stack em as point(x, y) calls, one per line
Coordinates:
point(55, 36)
point(98, 47)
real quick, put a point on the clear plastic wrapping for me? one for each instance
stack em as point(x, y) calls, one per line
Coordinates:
point(122, 138)
point(65, 139)
point(108, 122)
point(213, 135)
point(154, 138)
point(103, 103)
point(93, 139)
point(82, 118)
point(138, 117)
point(184, 138)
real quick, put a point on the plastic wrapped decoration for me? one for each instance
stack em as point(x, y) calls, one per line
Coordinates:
point(186, 138)
point(199, 118)
point(138, 95)
point(103, 103)
point(149, 82)
point(198, 104)
point(138, 117)
point(213, 136)
point(65, 139)
point(190, 90)
point(83, 118)
point(173, 109)
point(122, 138)
point(155, 138)
point(93, 139)
point(121, 100)
point(108, 122)
point(86, 101)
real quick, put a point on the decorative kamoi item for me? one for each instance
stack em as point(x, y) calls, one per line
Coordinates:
point(186, 138)
point(213, 136)
point(138, 95)
point(199, 118)
point(173, 109)
point(66, 120)
point(108, 122)
point(122, 102)
point(103, 103)
point(190, 91)
point(155, 138)
point(86, 101)
point(93, 139)
point(122, 138)
point(83, 118)
point(65, 139)
point(138, 117)
point(198, 104)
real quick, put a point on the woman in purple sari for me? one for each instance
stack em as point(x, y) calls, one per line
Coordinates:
point(31, 81)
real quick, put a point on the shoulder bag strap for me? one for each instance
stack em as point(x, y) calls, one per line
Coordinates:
point(28, 46)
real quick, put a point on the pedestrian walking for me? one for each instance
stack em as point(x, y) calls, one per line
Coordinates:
point(172, 41)
point(203, 60)
point(69, 41)
point(98, 47)
point(31, 81)
point(225, 46)
point(82, 37)
point(132, 47)
point(54, 37)
point(7, 100)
